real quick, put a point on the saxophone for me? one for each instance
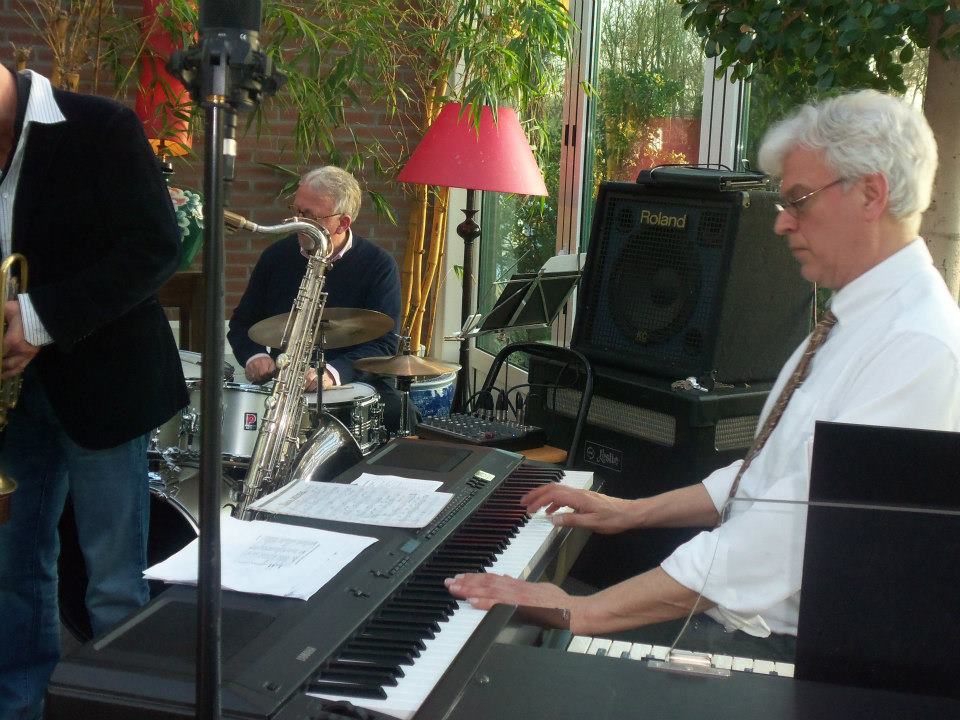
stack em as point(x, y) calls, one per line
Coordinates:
point(278, 440)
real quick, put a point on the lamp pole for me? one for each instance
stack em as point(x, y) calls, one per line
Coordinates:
point(469, 231)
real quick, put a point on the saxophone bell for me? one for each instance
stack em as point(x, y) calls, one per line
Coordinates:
point(10, 387)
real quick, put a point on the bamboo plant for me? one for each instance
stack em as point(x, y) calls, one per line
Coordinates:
point(405, 59)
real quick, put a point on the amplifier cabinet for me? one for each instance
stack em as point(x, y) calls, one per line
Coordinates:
point(683, 281)
point(641, 438)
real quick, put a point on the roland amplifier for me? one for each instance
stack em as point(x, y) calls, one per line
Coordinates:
point(682, 280)
point(642, 437)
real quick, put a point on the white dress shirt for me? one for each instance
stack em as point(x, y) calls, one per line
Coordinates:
point(41, 108)
point(893, 359)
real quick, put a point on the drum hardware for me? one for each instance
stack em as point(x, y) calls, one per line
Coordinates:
point(406, 368)
point(341, 327)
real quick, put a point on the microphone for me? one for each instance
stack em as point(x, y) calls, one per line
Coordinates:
point(227, 62)
point(230, 15)
point(226, 65)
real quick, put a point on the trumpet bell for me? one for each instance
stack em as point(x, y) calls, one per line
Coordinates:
point(7, 486)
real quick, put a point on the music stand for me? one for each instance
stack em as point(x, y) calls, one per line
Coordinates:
point(533, 300)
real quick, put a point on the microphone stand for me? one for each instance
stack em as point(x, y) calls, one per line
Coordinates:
point(224, 72)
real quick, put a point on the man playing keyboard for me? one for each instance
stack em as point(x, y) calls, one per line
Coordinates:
point(857, 173)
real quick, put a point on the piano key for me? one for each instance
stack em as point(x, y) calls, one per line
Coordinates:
point(393, 658)
point(764, 667)
point(722, 662)
point(579, 644)
point(640, 651)
point(619, 649)
point(361, 676)
point(599, 646)
point(339, 690)
point(659, 652)
point(388, 668)
point(742, 664)
point(784, 669)
point(426, 626)
point(527, 539)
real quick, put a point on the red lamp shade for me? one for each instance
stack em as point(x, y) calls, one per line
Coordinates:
point(162, 100)
point(455, 153)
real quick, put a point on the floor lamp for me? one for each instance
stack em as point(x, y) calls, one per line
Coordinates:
point(493, 155)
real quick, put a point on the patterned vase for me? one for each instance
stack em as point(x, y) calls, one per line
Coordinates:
point(189, 209)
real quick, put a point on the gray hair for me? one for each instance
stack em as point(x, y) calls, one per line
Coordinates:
point(336, 184)
point(862, 133)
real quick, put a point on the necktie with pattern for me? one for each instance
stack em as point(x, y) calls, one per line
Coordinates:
point(817, 338)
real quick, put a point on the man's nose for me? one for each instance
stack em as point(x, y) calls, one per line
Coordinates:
point(785, 223)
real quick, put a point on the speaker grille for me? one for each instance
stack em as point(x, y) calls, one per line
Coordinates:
point(685, 282)
point(735, 433)
point(631, 420)
point(661, 266)
point(732, 433)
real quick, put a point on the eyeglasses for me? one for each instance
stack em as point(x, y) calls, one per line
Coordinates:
point(795, 206)
point(307, 215)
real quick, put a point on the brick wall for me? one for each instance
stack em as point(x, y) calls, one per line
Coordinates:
point(256, 191)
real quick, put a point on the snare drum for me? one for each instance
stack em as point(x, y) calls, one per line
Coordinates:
point(181, 430)
point(243, 411)
point(244, 407)
point(358, 406)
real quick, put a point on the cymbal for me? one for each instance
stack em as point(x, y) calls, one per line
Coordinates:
point(341, 327)
point(404, 366)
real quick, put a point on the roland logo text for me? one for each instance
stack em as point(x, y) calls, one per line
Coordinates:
point(662, 219)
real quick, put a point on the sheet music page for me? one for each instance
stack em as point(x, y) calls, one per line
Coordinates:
point(397, 483)
point(354, 504)
point(268, 558)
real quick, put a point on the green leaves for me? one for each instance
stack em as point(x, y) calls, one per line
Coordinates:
point(825, 44)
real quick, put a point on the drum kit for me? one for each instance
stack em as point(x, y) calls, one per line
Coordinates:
point(356, 405)
point(352, 416)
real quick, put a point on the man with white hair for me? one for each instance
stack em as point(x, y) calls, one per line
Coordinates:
point(361, 275)
point(856, 172)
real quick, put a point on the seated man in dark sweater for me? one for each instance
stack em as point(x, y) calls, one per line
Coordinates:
point(361, 275)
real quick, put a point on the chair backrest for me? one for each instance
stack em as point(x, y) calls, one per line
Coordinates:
point(557, 353)
point(880, 601)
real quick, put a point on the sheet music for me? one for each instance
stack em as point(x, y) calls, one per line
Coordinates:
point(396, 482)
point(268, 558)
point(354, 504)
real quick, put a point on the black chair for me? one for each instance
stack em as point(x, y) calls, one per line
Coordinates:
point(552, 352)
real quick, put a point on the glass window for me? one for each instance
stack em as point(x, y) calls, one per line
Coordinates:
point(648, 94)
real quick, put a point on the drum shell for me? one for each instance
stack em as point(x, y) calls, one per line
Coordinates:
point(358, 407)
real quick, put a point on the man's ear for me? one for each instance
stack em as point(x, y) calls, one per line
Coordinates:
point(345, 221)
point(876, 195)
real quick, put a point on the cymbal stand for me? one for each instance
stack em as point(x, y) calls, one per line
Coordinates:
point(403, 387)
point(321, 372)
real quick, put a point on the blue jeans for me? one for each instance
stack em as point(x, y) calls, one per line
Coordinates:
point(110, 493)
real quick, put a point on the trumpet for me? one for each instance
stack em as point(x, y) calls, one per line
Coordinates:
point(9, 388)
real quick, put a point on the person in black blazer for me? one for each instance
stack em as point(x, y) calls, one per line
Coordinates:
point(82, 198)
point(361, 275)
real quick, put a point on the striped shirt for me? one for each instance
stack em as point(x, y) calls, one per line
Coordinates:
point(41, 108)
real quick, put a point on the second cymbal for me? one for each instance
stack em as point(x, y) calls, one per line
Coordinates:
point(341, 327)
point(404, 366)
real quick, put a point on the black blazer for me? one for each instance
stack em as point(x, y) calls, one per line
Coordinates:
point(94, 219)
